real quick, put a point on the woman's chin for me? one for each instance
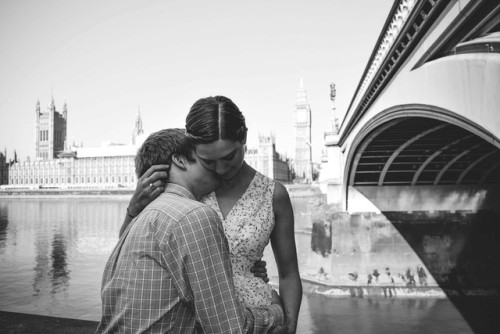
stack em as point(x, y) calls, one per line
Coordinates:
point(228, 177)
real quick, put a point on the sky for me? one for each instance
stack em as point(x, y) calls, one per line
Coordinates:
point(109, 59)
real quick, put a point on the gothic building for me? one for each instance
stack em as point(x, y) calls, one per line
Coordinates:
point(108, 166)
point(59, 166)
point(51, 129)
point(267, 161)
point(302, 134)
point(4, 168)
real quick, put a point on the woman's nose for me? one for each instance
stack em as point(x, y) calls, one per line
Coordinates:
point(221, 168)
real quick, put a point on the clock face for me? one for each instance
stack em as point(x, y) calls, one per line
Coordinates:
point(301, 116)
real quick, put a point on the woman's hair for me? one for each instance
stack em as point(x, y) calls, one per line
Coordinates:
point(215, 117)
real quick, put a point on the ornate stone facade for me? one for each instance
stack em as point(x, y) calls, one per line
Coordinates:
point(51, 129)
point(302, 133)
point(76, 172)
point(110, 166)
point(266, 160)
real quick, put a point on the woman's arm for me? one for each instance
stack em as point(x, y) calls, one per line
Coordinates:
point(149, 186)
point(285, 253)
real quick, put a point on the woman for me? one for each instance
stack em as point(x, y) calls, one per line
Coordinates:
point(252, 207)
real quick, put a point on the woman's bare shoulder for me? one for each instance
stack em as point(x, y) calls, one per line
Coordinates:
point(281, 196)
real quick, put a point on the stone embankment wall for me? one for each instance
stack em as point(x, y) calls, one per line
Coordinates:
point(397, 253)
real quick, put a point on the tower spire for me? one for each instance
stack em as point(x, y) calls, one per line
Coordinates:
point(52, 106)
point(138, 130)
point(301, 93)
point(65, 110)
point(138, 122)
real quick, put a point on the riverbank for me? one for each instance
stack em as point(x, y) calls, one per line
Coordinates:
point(294, 191)
point(303, 190)
point(22, 323)
point(316, 286)
point(65, 192)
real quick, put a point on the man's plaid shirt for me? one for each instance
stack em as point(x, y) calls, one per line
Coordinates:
point(170, 272)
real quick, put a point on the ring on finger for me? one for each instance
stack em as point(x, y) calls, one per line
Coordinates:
point(151, 185)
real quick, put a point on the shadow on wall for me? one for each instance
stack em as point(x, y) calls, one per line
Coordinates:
point(321, 237)
point(461, 250)
point(456, 249)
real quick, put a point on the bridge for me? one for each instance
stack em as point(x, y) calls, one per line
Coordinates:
point(422, 129)
point(420, 145)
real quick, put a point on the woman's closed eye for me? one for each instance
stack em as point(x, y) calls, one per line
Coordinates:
point(207, 162)
point(229, 157)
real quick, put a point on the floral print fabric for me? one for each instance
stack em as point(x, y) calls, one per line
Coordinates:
point(248, 227)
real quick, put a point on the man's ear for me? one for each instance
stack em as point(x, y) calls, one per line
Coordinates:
point(179, 161)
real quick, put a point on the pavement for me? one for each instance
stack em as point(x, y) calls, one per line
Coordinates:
point(21, 323)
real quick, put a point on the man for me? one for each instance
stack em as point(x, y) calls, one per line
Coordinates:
point(170, 271)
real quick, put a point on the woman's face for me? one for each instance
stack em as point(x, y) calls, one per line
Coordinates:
point(223, 157)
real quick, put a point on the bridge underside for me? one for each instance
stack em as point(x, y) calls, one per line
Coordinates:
point(415, 151)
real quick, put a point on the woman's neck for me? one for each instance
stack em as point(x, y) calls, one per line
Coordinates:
point(244, 174)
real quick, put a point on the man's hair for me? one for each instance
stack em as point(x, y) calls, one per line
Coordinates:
point(159, 147)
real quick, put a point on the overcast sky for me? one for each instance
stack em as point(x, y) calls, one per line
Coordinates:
point(107, 59)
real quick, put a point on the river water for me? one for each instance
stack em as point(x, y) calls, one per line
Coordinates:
point(53, 251)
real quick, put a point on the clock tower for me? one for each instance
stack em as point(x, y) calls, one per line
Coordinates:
point(302, 134)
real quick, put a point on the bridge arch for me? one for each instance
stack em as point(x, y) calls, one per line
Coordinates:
point(421, 145)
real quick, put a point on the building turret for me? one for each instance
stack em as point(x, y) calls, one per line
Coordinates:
point(65, 111)
point(50, 131)
point(138, 130)
point(38, 133)
point(52, 105)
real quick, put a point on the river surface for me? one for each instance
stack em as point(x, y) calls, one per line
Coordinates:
point(53, 251)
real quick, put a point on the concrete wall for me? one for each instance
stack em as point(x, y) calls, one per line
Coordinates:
point(456, 250)
point(423, 198)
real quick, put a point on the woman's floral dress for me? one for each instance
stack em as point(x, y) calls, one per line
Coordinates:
point(248, 227)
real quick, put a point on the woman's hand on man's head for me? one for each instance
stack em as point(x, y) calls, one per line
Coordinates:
point(149, 186)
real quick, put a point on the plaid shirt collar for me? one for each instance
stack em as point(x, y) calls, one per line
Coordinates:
point(174, 188)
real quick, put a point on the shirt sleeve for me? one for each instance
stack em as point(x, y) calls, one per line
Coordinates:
point(200, 265)
point(264, 319)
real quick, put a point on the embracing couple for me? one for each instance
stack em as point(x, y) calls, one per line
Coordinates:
point(195, 231)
